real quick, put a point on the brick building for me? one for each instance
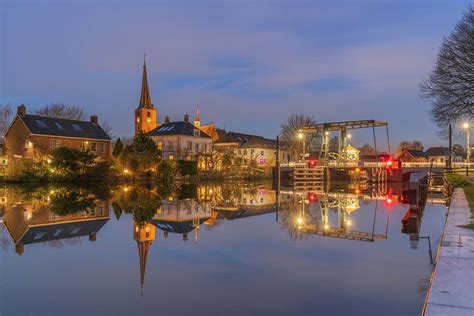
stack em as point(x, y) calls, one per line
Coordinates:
point(33, 134)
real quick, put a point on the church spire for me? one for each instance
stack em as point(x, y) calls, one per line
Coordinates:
point(197, 122)
point(144, 234)
point(145, 99)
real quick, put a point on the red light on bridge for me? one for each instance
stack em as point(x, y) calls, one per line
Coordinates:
point(311, 163)
point(312, 197)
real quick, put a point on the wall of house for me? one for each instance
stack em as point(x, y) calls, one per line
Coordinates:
point(179, 148)
point(20, 142)
point(262, 156)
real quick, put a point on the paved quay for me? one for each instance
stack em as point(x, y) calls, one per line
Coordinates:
point(452, 288)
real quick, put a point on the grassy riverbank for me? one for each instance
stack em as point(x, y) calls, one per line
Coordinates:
point(467, 184)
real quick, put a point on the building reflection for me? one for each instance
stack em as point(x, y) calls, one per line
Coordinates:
point(36, 219)
point(144, 235)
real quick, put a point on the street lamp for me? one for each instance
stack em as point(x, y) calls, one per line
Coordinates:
point(467, 128)
point(301, 137)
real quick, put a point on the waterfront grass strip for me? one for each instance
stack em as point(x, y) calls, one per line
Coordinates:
point(459, 181)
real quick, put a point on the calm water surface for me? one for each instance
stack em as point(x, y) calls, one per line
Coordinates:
point(211, 250)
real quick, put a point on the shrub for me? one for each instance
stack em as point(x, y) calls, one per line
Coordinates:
point(187, 168)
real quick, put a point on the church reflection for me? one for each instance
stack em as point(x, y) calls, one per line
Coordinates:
point(61, 215)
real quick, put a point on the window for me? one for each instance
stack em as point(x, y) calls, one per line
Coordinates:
point(197, 146)
point(102, 147)
point(159, 145)
point(85, 146)
point(28, 144)
point(40, 123)
point(170, 157)
point(55, 143)
point(197, 133)
point(39, 235)
point(240, 152)
point(59, 126)
point(189, 145)
point(93, 147)
point(262, 153)
point(170, 145)
point(245, 152)
point(76, 127)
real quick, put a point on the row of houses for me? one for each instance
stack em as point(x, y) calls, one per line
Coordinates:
point(437, 155)
point(30, 135)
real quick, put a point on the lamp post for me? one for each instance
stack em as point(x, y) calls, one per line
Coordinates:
point(301, 137)
point(467, 128)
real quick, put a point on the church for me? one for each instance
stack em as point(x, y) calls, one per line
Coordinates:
point(177, 140)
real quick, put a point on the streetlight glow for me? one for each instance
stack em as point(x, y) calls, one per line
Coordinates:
point(466, 125)
point(300, 135)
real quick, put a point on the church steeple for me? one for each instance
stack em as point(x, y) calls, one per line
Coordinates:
point(197, 122)
point(145, 114)
point(145, 99)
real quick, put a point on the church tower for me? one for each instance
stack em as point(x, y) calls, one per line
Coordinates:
point(197, 122)
point(145, 114)
point(144, 234)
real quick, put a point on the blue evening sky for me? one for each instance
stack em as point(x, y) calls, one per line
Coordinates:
point(247, 64)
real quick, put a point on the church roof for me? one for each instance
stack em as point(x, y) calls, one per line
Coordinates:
point(178, 227)
point(177, 128)
point(145, 99)
point(51, 126)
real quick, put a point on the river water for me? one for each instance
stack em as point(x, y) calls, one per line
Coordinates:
point(212, 249)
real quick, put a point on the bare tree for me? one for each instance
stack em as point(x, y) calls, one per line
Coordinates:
point(367, 150)
point(289, 133)
point(450, 87)
point(61, 110)
point(5, 117)
point(414, 144)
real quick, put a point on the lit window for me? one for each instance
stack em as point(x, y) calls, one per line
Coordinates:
point(240, 151)
point(85, 146)
point(197, 133)
point(197, 146)
point(170, 157)
point(245, 152)
point(160, 145)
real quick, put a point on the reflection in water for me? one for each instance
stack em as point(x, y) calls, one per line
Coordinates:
point(56, 217)
point(60, 216)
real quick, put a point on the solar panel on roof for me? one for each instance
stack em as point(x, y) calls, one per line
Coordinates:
point(58, 125)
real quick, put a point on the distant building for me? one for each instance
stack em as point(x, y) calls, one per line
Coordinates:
point(31, 134)
point(412, 155)
point(252, 148)
point(440, 155)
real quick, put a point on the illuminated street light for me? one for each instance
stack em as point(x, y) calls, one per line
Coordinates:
point(299, 221)
point(467, 128)
point(349, 136)
point(301, 137)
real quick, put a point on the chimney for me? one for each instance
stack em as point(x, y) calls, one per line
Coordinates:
point(21, 110)
point(167, 119)
point(94, 119)
point(186, 117)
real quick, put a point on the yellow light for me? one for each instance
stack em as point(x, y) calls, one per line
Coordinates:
point(357, 170)
point(211, 191)
point(126, 171)
point(349, 136)
point(326, 133)
point(49, 160)
point(326, 226)
point(348, 222)
point(52, 191)
point(357, 191)
point(300, 135)
point(465, 125)
point(299, 221)
point(125, 189)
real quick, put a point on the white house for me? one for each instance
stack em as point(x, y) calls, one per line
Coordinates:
point(180, 140)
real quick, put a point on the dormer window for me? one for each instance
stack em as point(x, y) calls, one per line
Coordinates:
point(197, 133)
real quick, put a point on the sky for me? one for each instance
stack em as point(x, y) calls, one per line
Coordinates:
point(247, 64)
